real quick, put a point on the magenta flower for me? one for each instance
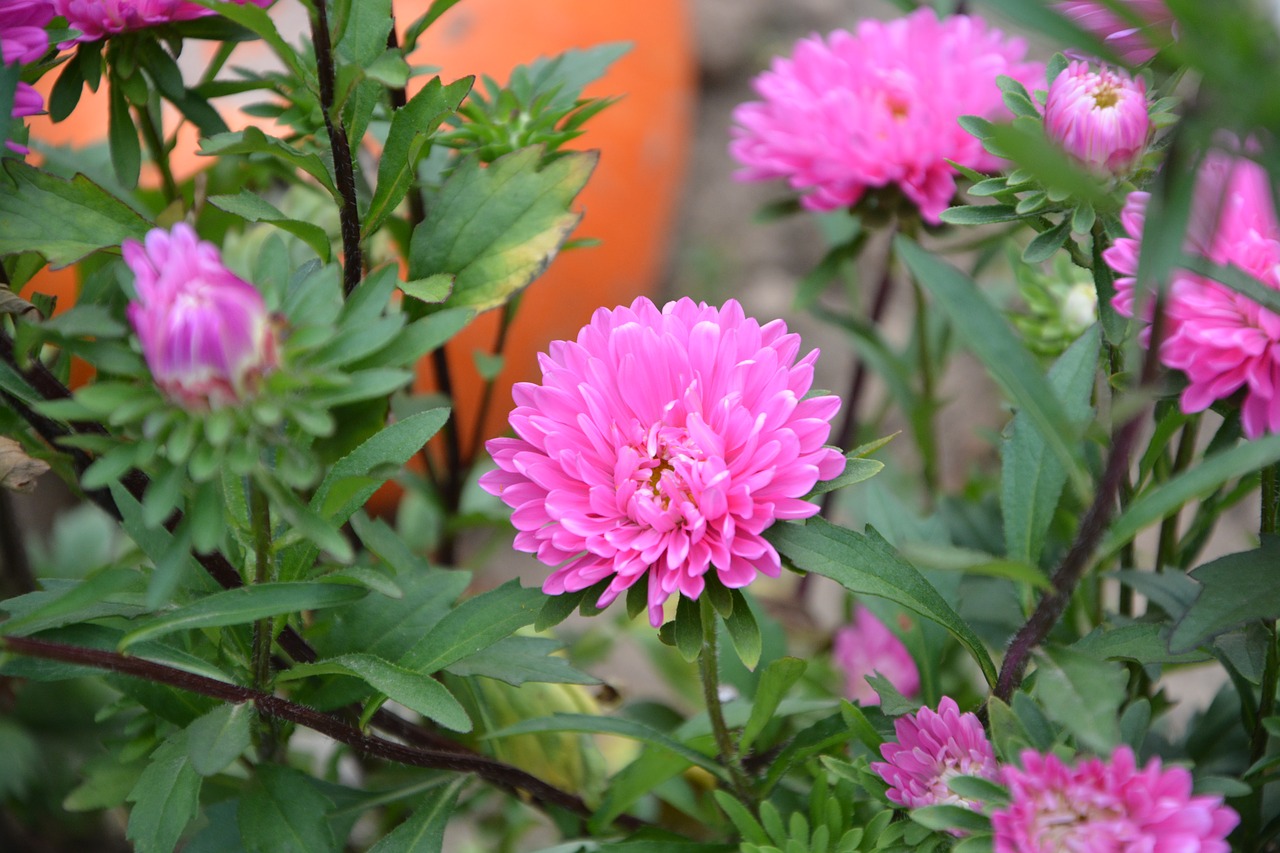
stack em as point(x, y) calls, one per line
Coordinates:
point(1107, 807)
point(662, 443)
point(1099, 118)
point(205, 333)
point(99, 19)
point(1223, 341)
point(1134, 44)
point(932, 749)
point(866, 647)
point(879, 107)
point(22, 40)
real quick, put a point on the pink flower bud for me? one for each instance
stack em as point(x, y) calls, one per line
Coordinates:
point(1099, 118)
point(205, 333)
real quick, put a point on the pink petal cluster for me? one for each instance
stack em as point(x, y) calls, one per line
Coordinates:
point(99, 19)
point(662, 443)
point(1223, 341)
point(1134, 44)
point(879, 107)
point(205, 333)
point(866, 647)
point(23, 40)
point(1099, 118)
point(933, 748)
point(1107, 807)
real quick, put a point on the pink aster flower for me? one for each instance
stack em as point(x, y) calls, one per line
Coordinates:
point(858, 111)
point(1223, 341)
point(866, 647)
point(99, 19)
point(662, 443)
point(1107, 807)
point(1135, 44)
point(23, 39)
point(932, 749)
point(1099, 118)
point(205, 333)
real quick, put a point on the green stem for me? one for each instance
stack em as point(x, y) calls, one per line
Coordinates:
point(928, 397)
point(1166, 550)
point(159, 152)
point(709, 670)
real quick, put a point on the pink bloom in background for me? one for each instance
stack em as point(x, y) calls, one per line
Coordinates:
point(1099, 118)
point(866, 647)
point(1223, 341)
point(1134, 44)
point(663, 442)
point(99, 19)
point(22, 40)
point(932, 749)
point(1107, 807)
point(859, 111)
point(205, 333)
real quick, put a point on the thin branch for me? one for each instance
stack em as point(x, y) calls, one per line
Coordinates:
point(494, 772)
point(340, 146)
point(1092, 527)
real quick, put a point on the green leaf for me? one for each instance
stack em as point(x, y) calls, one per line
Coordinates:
point(497, 228)
point(389, 628)
point(423, 832)
point(867, 565)
point(612, 726)
point(777, 678)
point(977, 788)
point(564, 76)
point(1083, 695)
point(856, 470)
point(259, 22)
point(1144, 642)
point(411, 128)
point(744, 631)
point(251, 140)
point(389, 448)
point(360, 37)
point(88, 217)
point(255, 208)
point(165, 799)
point(245, 604)
point(1031, 479)
point(984, 214)
point(412, 689)
point(283, 812)
point(431, 290)
point(1234, 590)
point(688, 631)
point(517, 660)
point(1196, 482)
point(475, 624)
point(947, 817)
point(1047, 242)
point(219, 737)
point(122, 136)
point(994, 342)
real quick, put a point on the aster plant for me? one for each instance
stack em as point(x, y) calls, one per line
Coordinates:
point(273, 619)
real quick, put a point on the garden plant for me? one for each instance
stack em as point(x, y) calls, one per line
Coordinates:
point(271, 621)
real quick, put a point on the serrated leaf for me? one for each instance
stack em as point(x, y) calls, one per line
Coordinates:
point(867, 565)
point(88, 217)
point(411, 128)
point(165, 799)
point(989, 336)
point(284, 812)
point(497, 228)
point(1031, 479)
point(219, 737)
point(245, 604)
point(1234, 590)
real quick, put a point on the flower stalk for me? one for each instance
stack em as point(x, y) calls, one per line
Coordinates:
point(709, 673)
point(263, 629)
